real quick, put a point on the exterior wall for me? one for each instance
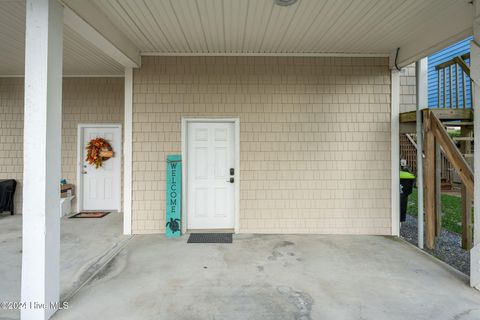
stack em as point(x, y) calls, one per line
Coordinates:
point(85, 100)
point(314, 141)
point(408, 95)
point(11, 134)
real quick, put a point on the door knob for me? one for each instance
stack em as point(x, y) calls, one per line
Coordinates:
point(232, 180)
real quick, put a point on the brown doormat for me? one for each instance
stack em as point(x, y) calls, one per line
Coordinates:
point(91, 214)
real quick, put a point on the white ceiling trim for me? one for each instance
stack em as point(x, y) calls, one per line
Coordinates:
point(68, 76)
point(436, 34)
point(262, 54)
point(405, 59)
point(84, 17)
point(81, 57)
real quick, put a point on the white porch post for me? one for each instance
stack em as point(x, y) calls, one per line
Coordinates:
point(421, 70)
point(127, 156)
point(395, 151)
point(42, 142)
point(475, 75)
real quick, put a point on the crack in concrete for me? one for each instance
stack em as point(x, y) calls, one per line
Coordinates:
point(461, 315)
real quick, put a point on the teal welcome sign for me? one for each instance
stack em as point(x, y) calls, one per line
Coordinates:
point(173, 227)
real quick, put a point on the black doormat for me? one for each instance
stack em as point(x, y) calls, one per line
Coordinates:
point(90, 214)
point(210, 238)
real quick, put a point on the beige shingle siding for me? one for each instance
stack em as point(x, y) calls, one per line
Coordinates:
point(315, 138)
point(11, 134)
point(85, 100)
point(408, 95)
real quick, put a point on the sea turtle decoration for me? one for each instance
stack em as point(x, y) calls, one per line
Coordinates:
point(174, 225)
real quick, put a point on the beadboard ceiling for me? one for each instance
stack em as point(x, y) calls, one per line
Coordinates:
point(80, 56)
point(248, 27)
point(260, 26)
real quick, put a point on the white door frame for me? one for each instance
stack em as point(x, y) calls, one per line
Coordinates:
point(80, 148)
point(236, 122)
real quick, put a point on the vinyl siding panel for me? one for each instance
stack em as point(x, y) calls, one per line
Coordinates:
point(444, 55)
point(314, 138)
point(85, 100)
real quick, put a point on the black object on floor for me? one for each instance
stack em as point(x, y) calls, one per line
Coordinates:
point(7, 194)
point(90, 214)
point(210, 238)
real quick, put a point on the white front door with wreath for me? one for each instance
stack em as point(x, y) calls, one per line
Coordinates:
point(100, 163)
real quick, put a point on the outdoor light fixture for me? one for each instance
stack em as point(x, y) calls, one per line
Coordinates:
point(284, 3)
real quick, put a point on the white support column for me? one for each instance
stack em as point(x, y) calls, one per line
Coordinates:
point(475, 75)
point(127, 155)
point(42, 143)
point(395, 152)
point(421, 73)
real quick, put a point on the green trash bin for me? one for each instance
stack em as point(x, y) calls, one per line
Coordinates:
point(407, 180)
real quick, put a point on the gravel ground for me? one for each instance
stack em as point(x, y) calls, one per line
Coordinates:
point(448, 248)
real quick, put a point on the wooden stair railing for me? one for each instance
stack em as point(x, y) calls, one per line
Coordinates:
point(408, 151)
point(435, 133)
point(453, 82)
point(453, 154)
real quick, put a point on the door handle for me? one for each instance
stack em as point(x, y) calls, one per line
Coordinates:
point(232, 180)
point(84, 172)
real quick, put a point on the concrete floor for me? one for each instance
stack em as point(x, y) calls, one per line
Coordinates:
point(85, 243)
point(275, 277)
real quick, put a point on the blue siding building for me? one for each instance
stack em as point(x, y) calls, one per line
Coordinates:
point(446, 54)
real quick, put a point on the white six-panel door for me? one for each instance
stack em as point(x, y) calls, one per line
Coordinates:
point(210, 194)
point(101, 187)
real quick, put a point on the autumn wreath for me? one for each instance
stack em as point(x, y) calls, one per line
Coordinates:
point(98, 150)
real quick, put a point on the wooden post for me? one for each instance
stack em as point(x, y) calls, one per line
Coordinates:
point(438, 189)
point(429, 150)
point(467, 227)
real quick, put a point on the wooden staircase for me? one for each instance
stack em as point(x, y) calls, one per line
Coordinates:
point(464, 141)
point(448, 158)
point(442, 156)
point(445, 185)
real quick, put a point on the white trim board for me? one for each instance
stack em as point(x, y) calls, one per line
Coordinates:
point(264, 54)
point(68, 76)
point(92, 24)
point(395, 152)
point(236, 122)
point(127, 152)
point(79, 186)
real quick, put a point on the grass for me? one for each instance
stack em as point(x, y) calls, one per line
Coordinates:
point(451, 211)
point(454, 133)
